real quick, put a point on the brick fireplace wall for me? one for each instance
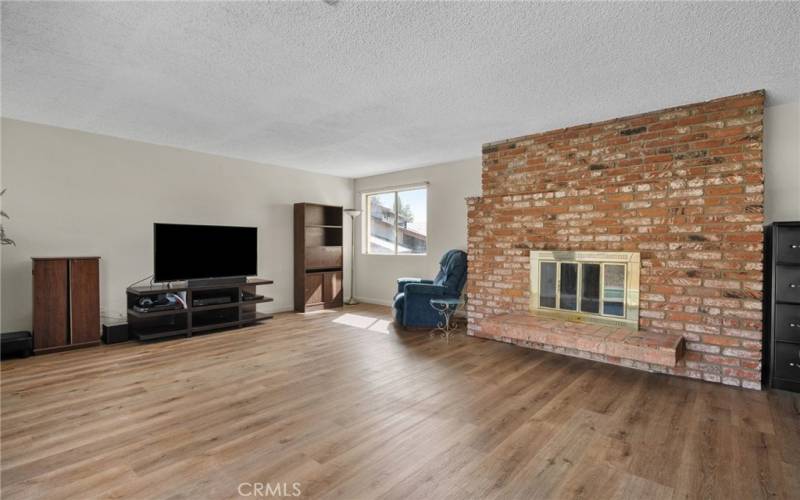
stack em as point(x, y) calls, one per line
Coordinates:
point(683, 186)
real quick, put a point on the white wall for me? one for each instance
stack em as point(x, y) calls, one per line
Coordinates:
point(449, 184)
point(782, 162)
point(75, 193)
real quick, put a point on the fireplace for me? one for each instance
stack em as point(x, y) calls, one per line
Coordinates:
point(591, 287)
point(682, 186)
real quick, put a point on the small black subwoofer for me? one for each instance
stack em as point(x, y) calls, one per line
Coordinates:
point(115, 333)
point(16, 344)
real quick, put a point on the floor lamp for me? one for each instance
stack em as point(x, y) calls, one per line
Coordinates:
point(353, 213)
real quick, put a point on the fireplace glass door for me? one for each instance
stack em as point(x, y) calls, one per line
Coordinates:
point(590, 288)
point(568, 289)
point(583, 286)
point(577, 285)
point(613, 290)
point(548, 284)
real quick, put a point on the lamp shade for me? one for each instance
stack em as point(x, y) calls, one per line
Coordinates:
point(352, 212)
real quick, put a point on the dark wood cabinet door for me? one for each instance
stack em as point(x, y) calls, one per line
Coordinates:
point(323, 257)
point(50, 304)
point(314, 289)
point(333, 288)
point(84, 300)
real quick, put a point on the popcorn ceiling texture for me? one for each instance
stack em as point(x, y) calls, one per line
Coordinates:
point(682, 186)
point(366, 87)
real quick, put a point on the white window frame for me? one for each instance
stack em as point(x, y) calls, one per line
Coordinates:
point(396, 190)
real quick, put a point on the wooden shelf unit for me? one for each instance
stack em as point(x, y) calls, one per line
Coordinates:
point(195, 319)
point(318, 257)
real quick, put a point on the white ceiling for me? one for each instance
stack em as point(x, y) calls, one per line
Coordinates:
point(360, 88)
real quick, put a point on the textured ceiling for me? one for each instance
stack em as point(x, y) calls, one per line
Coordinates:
point(360, 88)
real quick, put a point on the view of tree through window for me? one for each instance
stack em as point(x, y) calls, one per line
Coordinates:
point(397, 222)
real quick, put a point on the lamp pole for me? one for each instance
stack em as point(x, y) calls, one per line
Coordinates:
point(353, 213)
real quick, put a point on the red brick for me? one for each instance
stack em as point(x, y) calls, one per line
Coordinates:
point(692, 195)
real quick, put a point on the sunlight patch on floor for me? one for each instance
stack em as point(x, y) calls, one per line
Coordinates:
point(365, 322)
point(381, 326)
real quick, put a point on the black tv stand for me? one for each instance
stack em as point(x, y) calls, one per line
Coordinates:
point(237, 311)
point(206, 282)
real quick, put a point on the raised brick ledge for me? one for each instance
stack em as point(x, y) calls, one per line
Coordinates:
point(654, 348)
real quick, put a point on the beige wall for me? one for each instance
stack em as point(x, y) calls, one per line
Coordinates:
point(782, 162)
point(75, 193)
point(449, 184)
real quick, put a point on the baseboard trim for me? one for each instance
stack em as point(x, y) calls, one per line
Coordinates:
point(282, 310)
point(377, 302)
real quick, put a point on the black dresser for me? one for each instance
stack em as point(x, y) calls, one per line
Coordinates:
point(782, 357)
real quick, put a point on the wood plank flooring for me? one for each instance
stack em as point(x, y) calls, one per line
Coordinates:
point(355, 412)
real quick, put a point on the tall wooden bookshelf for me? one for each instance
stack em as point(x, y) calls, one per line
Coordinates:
point(318, 257)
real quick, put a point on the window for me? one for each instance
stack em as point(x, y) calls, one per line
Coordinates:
point(397, 222)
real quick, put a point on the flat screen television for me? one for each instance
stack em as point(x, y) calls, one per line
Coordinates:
point(194, 252)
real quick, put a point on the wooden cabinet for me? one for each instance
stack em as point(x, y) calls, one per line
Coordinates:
point(66, 303)
point(323, 288)
point(318, 257)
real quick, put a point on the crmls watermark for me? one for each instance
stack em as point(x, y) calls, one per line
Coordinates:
point(270, 489)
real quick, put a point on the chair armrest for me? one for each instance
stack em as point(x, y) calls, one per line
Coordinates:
point(402, 282)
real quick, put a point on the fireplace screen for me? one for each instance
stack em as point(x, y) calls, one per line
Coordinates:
point(600, 287)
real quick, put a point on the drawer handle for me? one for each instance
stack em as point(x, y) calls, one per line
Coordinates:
point(792, 285)
point(795, 246)
point(796, 365)
point(794, 325)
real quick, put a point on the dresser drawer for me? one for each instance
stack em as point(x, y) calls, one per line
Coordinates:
point(787, 322)
point(787, 361)
point(787, 284)
point(787, 245)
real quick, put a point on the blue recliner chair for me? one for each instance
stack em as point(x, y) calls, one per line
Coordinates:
point(412, 306)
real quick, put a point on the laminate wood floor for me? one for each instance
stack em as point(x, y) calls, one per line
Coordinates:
point(332, 402)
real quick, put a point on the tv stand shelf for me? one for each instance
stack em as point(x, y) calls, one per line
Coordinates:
point(238, 312)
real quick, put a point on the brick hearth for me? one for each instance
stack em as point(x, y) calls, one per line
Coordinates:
point(614, 342)
point(682, 186)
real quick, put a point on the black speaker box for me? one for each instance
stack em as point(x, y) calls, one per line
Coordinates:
point(113, 334)
point(16, 344)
